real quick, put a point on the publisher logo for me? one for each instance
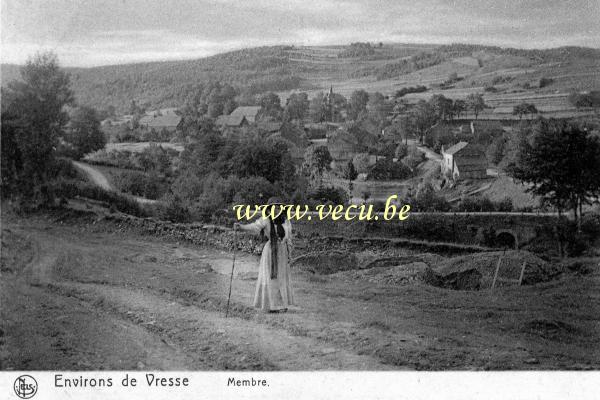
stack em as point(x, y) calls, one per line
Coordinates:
point(25, 386)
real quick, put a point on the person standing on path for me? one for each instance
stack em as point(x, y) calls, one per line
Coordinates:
point(273, 289)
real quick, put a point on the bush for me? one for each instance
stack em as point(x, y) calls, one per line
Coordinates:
point(385, 169)
point(325, 195)
point(505, 205)
point(361, 162)
point(476, 204)
point(173, 209)
point(72, 188)
point(590, 225)
point(545, 82)
point(141, 184)
point(412, 89)
point(414, 157)
point(63, 168)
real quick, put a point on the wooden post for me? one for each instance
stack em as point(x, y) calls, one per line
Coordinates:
point(522, 272)
point(497, 269)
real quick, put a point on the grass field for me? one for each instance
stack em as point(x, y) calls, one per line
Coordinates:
point(137, 147)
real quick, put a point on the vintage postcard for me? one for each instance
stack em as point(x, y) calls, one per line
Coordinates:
point(307, 199)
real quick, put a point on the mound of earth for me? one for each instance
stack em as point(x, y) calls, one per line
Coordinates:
point(390, 275)
point(327, 262)
point(536, 269)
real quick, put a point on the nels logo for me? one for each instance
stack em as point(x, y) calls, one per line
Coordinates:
point(25, 386)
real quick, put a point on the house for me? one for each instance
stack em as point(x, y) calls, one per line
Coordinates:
point(249, 112)
point(170, 122)
point(231, 121)
point(162, 111)
point(296, 142)
point(116, 121)
point(269, 127)
point(464, 161)
point(343, 147)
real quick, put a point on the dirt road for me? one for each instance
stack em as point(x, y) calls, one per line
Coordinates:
point(98, 178)
point(85, 295)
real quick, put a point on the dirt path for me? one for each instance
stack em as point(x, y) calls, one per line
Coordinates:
point(98, 178)
point(172, 334)
point(90, 296)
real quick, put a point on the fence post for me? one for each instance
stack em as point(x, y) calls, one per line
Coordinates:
point(497, 269)
point(522, 272)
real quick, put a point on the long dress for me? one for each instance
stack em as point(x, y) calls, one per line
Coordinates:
point(273, 294)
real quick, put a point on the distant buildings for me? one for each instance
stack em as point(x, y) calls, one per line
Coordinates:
point(231, 121)
point(464, 161)
point(249, 112)
point(158, 122)
point(239, 118)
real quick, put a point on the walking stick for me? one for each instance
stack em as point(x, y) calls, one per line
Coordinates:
point(232, 268)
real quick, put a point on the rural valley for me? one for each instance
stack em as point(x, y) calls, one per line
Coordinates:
point(119, 181)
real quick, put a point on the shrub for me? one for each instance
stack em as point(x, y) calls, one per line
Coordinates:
point(72, 188)
point(590, 225)
point(505, 204)
point(476, 204)
point(140, 184)
point(414, 157)
point(386, 169)
point(428, 200)
point(330, 194)
point(545, 82)
point(173, 209)
point(412, 89)
point(63, 168)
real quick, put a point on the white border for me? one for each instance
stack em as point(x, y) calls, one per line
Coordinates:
point(324, 385)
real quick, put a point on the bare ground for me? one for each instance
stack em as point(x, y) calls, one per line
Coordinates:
point(85, 296)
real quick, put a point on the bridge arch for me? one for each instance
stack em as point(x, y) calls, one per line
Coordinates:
point(507, 238)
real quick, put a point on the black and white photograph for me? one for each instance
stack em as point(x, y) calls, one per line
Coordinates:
point(297, 186)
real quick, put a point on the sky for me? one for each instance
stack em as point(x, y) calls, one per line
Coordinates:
point(102, 32)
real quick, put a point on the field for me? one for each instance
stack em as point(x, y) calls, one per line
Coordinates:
point(80, 293)
point(137, 147)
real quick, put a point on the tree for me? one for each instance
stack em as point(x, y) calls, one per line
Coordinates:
point(350, 174)
point(475, 103)
point(442, 106)
point(357, 104)
point(495, 151)
point(318, 108)
point(270, 105)
point(459, 107)
point(134, 109)
point(561, 164)
point(377, 108)
point(401, 151)
point(36, 103)
point(83, 132)
point(524, 109)
point(423, 118)
point(297, 106)
point(545, 82)
point(581, 100)
point(336, 107)
point(316, 161)
point(229, 106)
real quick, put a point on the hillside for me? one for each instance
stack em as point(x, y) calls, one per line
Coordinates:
point(385, 68)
